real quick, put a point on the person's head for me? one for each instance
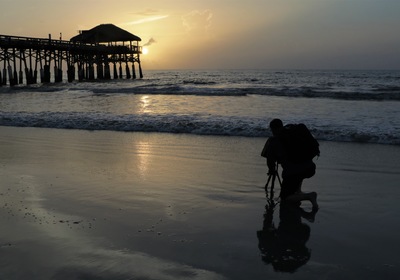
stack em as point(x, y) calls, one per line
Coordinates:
point(275, 125)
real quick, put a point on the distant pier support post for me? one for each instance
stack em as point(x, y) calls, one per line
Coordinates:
point(58, 74)
point(10, 75)
point(41, 75)
point(120, 69)
point(115, 71)
point(46, 73)
point(26, 69)
point(91, 71)
point(21, 76)
point(100, 70)
point(35, 72)
point(29, 71)
point(133, 71)
point(4, 74)
point(15, 76)
point(1, 77)
point(107, 73)
point(140, 71)
point(81, 71)
point(4, 81)
point(71, 73)
point(128, 73)
point(58, 66)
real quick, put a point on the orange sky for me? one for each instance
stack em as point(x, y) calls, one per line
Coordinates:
point(229, 34)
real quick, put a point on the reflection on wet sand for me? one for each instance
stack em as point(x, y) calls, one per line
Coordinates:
point(284, 247)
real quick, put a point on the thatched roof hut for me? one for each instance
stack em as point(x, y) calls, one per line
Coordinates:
point(105, 33)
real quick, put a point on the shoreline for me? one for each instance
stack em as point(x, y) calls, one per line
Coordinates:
point(95, 202)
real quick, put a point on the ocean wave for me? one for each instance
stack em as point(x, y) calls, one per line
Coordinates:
point(212, 88)
point(190, 124)
point(199, 82)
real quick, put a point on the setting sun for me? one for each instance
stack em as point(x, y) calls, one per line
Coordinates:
point(145, 50)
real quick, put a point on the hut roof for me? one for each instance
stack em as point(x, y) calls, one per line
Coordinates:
point(105, 33)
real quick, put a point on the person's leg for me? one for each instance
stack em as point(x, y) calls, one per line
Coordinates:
point(290, 186)
point(291, 192)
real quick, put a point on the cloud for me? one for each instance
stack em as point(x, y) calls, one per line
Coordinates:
point(197, 22)
point(146, 19)
point(148, 12)
point(150, 42)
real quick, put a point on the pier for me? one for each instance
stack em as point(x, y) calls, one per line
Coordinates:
point(104, 52)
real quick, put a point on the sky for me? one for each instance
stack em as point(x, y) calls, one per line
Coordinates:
point(228, 34)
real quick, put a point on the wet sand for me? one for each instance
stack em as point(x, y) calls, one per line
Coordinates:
point(111, 205)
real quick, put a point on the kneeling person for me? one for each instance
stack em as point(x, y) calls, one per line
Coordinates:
point(293, 147)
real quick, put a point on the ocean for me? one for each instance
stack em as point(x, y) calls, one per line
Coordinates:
point(350, 106)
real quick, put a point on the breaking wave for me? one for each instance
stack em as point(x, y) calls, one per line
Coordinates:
point(191, 124)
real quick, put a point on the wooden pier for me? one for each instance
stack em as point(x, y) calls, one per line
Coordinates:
point(104, 52)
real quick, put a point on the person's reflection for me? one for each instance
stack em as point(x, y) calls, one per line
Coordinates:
point(285, 247)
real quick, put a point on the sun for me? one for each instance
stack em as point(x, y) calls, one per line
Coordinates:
point(145, 50)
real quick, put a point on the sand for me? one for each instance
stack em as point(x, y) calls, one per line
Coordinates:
point(112, 205)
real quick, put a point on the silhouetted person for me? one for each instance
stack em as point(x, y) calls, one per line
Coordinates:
point(295, 170)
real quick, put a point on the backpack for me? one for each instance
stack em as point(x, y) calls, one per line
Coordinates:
point(299, 143)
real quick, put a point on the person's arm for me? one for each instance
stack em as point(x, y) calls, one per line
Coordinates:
point(275, 154)
point(269, 152)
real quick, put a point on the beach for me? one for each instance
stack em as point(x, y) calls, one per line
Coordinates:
point(79, 204)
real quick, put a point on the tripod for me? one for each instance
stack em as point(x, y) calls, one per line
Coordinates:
point(271, 178)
